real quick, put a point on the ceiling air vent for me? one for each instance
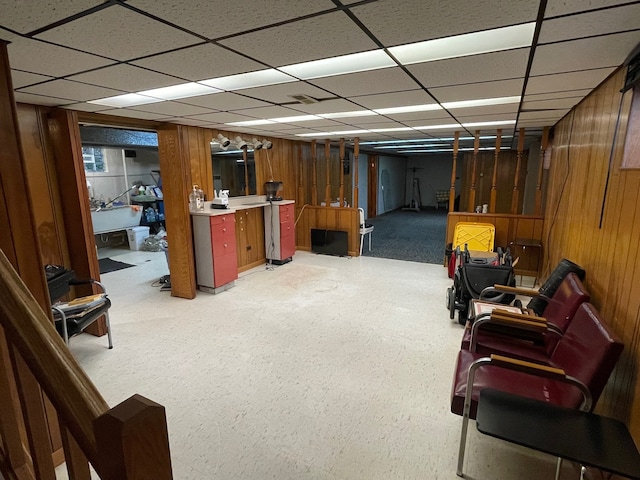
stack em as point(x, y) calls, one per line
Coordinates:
point(302, 98)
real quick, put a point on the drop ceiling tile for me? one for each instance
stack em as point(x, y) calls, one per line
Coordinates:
point(563, 7)
point(219, 20)
point(128, 112)
point(545, 115)
point(472, 69)
point(126, 78)
point(25, 17)
point(387, 100)
point(87, 107)
point(327, 106)
point(222, 117)
point(39, 99)
point(564, 94)
point(39, 57)
point(172, 109)
point(430, 122)
point(224, 101)
point(505, 110)
point(281, 93)
point(268, 112)
point(398, 22)
point(489, 118)
point(187, 121)
point(473, 91)
point(369, 122)
point(590, 24)
point(76, 91)
point(123, 34)
point(201, 62)
point(367, 83)
point(585, 54)
point(586, 79)
point(558, 103)
point(22, 79)
point(289, 43)
point(421, 116)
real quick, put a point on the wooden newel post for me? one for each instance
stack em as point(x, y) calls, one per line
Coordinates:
point(356, 156)
point(314, 175)
point(133, 442)
point(515, 197)
point(494, 181)
point(452, 189)
point(472, 190)
point(342, 172)
point(543, 149)
point(327, 156)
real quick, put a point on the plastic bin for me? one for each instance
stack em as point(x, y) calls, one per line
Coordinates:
point(136, 236)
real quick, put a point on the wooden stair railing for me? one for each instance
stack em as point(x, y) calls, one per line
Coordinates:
point(127, 442)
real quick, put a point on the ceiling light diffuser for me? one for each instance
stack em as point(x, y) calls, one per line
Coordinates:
point(489, 124)
point(355, 113)
point(126, 100)
point(327, 67)
point(482, 102)
point(486, 41)
point(183, 90)
point(408, 109)
point(298, 118)
point(258, 78)
point(251, 123)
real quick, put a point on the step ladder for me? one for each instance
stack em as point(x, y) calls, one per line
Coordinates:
point(415, 203)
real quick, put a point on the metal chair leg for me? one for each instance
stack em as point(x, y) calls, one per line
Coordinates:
point(106, 318)
point(361, 242)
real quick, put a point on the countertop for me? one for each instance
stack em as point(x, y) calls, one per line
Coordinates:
point(238, 203)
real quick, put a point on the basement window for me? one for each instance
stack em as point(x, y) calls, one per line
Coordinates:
point(93, 159)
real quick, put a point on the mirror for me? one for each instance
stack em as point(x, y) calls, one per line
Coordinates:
point(231, 173)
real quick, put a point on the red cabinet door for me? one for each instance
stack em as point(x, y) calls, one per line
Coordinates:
point(223, 246)
point(287, 240)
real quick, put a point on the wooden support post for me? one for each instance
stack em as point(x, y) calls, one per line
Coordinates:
point(356, 155)
point(452, 189)
point(301, 196)
point(314, 175)
point(246, 171)
point(515, 197)
point(543, 150)
point(327, 157)
point(472, 190)
point(494, 181)
point(341, 172)
point(133, 442)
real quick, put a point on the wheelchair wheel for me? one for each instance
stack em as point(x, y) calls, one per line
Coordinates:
point(451, 302)
point(463, 317)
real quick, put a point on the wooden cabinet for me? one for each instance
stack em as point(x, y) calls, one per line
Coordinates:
point(279, 233)
point(216, 254)
point(250, 237)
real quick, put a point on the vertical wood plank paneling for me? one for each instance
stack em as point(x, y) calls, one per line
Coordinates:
point(583, 150)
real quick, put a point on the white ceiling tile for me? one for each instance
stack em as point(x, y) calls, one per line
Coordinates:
point(123, 34)
point(22, 79)
point(27, 16)
point(327, 106)
point(127, 112)
point(39, 57)
point(558, 103)
point(544, 115)
point(563, 7)
point(472, 69)
point(387, 100)
point(87, 107)
point(430, 121)
point(187, 121)
point(39, 99)
point(590, 24)
point(587, 79)
point(386, 80)
point(397, 22)
point(440, 115)
point(588, 53)
point(224, 101)
point(281, 93)
point(289, 43)
point(488, 117)
point(551, 96)
point(172, 109)
point(76, 91)
point(201, 62)
point(220, 19)
point(126, 78)
point(272, 111)
point(473, 91)
point(222, 117)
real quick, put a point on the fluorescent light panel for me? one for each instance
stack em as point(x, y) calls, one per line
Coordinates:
point(355, 113)
point(482, 102)
point(126, 100)
point(251, 123)
point(352, 63)
point(494, 40)
point(259, 78)
point(408, 109)
point(183, 90)
point(451, 150)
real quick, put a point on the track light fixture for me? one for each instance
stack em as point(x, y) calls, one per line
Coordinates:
point(266, 144)
point(255, 143)
point(240, 143)
point(224, 141)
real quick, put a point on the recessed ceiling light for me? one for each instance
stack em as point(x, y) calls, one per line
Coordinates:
point(258, 78)
point(494, 40)
point(355, 113)
point(327, 67)
point(408, 109)
point(298, 118)
point(439, 127)
point(126, 100)
point(333, 134)
point(183, 90)
point(489, 124)
point(398, 129)
point(482, 102)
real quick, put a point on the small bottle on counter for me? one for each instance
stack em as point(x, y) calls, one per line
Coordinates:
point(200, 198)
point(193, 199)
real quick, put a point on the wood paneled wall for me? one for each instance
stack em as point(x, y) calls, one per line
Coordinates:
point(598, 226)
point(345, 219)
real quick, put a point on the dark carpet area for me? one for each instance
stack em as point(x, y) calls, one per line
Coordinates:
point(107, 265)
point(408, 235)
